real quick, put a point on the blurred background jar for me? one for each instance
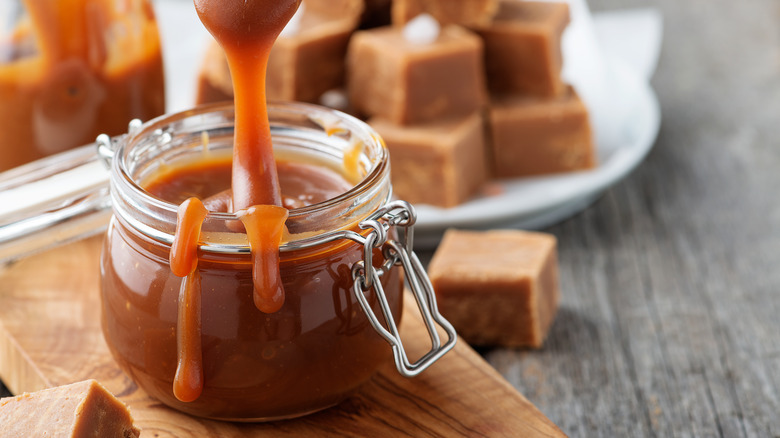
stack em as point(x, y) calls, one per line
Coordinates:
point(73, 69)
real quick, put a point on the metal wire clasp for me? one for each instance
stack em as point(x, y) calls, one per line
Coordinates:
point(402, 215)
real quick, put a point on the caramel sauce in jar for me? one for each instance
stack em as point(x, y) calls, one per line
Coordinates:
point(70, 70)
point(319, 347)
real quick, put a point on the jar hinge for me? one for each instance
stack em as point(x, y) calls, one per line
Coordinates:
point(400, 214)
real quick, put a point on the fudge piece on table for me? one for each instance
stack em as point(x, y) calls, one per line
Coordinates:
point(497, 288)
point(80, 410)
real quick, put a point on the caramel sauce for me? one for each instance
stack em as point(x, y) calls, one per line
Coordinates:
point(246, 31)
point(209, 177)
point(200, 344)
point(184, 250)
point(264, 225)
point(316, 350)
point(188, 381)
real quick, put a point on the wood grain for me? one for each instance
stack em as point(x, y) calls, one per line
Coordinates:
point(670, 310)
point(50, 335)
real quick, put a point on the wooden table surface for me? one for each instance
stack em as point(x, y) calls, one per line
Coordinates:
point(669, 322)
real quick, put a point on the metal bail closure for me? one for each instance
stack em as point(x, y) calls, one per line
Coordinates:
point(400, 214)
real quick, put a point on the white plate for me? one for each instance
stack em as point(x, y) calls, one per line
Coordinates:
point(533, 203)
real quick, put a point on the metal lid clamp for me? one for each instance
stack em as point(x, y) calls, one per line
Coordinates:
point(402, 215)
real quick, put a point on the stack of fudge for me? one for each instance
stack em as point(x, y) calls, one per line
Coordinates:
point(478, 99)
point(482, 100)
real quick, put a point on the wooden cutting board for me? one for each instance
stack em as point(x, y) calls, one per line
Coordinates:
point(50, 335)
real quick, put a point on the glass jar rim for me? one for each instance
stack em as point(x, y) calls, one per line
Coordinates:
point(326, 118)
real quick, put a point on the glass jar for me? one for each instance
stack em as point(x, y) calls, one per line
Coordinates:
point(337, 262)
point(70, 70)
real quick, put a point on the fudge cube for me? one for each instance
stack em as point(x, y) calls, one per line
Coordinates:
point(540, 136)
point(306, 61)
point(463, 12)
point(440, 163)
point(83, 409)
point(523, 48)
point(497, 288)
point(407, 83)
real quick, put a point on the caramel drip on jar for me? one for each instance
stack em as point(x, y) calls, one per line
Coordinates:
point(188, 381)
point(264, 227)
point(184, 249)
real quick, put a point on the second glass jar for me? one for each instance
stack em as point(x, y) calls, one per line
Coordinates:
point(70, 70)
